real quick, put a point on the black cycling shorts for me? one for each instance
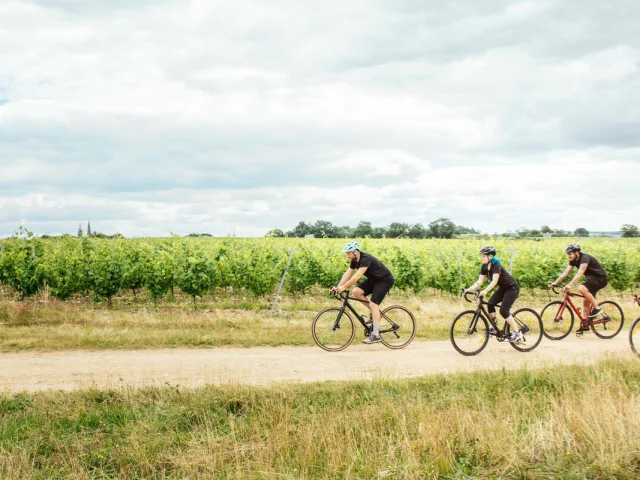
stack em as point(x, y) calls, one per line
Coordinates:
point(377, 290)
point(594, 285)
point(505, 295)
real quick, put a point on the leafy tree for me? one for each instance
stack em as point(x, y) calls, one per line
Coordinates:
point(417, 230)
point(344, 232)
point(581, 232)
point(80, 231)
point(323, 229)
point(397, 230)
point(460, 230)
point(545, 229)
point(364, 229)
point(275, 232)
point(442, 228)
point(300, 230)
point(630, 231)
point(379, 232)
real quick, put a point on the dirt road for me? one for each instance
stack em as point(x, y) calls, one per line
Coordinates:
point(69, 370)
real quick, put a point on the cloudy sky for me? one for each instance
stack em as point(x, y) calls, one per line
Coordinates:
point(151, 117)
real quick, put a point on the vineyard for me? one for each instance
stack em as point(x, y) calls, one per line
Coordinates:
point(68, 267)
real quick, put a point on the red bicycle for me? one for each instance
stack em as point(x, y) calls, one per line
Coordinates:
point(558, 318)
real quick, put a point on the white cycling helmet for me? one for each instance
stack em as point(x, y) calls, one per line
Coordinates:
point(351, 246)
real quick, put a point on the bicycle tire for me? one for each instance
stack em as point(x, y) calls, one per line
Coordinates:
point(327, 338)
point(556, 330)
point(633, 332)
point(406, 323)
point(616, 319)
point(461, 338)
point(536, 329)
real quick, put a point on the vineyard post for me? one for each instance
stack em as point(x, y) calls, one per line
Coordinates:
point(460, 265)
point(273, 307)
point(513, 255)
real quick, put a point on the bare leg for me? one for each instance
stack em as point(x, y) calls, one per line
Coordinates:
point(589, 300)
point(375, 315)
point(359, 294)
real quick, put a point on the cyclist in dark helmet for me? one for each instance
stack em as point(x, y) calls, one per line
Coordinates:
point(508, 289)
point(596, 279)
point(379, 281)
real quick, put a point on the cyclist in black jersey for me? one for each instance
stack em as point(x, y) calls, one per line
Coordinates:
point(379, 281)
point(596, 279)
point(508, 289)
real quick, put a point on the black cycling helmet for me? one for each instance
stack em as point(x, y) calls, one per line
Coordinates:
point(488, 250)
point(574, 247)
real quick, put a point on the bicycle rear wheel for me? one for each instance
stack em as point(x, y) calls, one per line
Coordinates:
point(556, 326)
point(397, 326)
point(332, 331)
point(611, 326)
point(634, 337)
point(469, 332)
point(531, 327)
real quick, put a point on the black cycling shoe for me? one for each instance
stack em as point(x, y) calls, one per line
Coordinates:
point(583, 329)
point(595, 312)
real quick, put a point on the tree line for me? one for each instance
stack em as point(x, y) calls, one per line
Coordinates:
point(440, 228)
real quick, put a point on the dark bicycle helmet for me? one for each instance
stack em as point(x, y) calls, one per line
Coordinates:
point(574, 247)
point(488, 250)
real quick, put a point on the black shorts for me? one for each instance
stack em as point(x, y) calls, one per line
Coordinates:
point(505, 295)
point(594, 285)
point(377, 290)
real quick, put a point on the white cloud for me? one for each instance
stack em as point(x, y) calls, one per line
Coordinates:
point(241, 117)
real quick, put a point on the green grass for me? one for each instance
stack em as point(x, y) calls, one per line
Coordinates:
point(573, 423)
point(46, 324)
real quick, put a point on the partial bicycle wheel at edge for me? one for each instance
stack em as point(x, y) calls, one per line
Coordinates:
point(328, 333)
point(613, 325)
point(634, 337)
point(469, 335)
point(556, 326)
point(397, 326)
point(532, 334)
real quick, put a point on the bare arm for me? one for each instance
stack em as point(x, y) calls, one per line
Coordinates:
point(353, 280)
point(562, 276)
point(579, 275)
point(494, 282)
point(477, 285)
point(346, 276)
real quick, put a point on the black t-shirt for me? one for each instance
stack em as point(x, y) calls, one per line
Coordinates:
point(376, 271)
point(594, 269)
point(504, 281)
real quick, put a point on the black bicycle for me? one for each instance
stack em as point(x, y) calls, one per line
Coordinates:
point(471, 329)
point(333, 328)
point(634, 338)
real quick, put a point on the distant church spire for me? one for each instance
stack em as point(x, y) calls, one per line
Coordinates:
point(88, 229)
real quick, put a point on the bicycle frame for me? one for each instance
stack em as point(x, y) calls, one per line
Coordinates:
point(500, 333)
point(344, 296)
point(567, 301)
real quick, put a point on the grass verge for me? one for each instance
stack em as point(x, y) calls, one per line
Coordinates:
point(551, 423)
point(134, 323)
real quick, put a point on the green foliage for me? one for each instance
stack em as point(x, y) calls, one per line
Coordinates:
point(19, 263)
point(70, 266)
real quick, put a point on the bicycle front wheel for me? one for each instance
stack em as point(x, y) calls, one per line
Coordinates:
point(332, 329)
point(397, 326)
point(469, 332)
point(556, 325)
point(531, 327)
point(609, 323)
point(634, 337)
